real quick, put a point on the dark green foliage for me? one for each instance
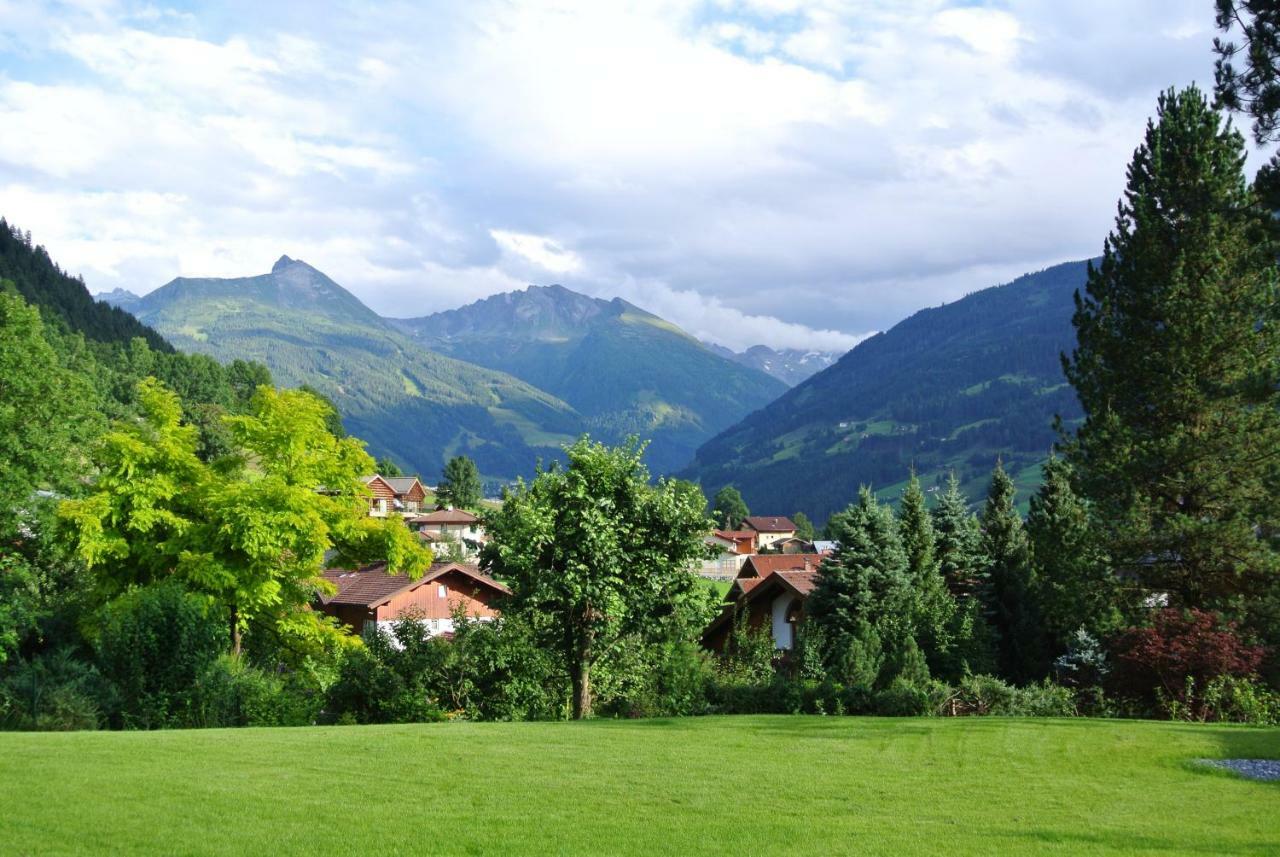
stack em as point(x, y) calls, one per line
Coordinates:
point(1253, 88)
point(55, 691)
point(153, 645)
point(804, 527)
point(232, 692)
point(460, 486)
point(934, 621)
point(389, 679)
point(387, 467)
point(728, 509)
point(64, 298)
point(1008, 592)
point(625, 370)
point(1179, 328)
point(948, 389)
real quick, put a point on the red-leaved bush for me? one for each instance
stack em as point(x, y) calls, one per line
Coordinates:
point(1154, 663)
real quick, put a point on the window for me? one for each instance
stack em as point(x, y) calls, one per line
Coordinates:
point(442, 591)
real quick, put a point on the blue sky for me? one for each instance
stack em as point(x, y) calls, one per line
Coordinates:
point(796, 174)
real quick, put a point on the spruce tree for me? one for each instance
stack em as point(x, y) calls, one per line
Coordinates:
point(1076, 587)
point(460, 487)
point(1007, 592)
point(958, 542)
point(863, 588)
point(935, 609)
point(1176, 368)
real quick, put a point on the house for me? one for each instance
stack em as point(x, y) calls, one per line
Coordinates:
point(734, 547)
point(371, 598)
point(795, 544)
point(451, 525)
point(769, 529)
point(403, 495)
point(769, 592)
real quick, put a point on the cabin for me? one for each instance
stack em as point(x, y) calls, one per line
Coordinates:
point(769, 592)
point(769, 529)
point(401, 495)
point(383, 500)
point(369, 597)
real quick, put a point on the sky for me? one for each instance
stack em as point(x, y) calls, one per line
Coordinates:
point(796, 174)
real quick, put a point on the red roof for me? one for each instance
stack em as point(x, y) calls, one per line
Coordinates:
point(764, 564)
point(752, 589)
point(370, 586)
point(446, 516)
point(767, 524)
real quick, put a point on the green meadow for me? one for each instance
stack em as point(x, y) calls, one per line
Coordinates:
point(714, 785)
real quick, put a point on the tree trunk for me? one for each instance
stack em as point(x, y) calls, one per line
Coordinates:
point(580, 673)
point(235, 631)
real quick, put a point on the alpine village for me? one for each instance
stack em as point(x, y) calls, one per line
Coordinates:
point(571, 573)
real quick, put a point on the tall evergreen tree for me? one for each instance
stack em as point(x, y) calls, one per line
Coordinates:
point(1007, 592)
point(935, 608)
point(460, 486)
point(1176, 367)
point(958, 542)
point(1075, 585)
point(863, 602)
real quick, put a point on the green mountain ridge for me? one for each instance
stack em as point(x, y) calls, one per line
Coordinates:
point(951, 388)
point(624, 369)
point(418, 406)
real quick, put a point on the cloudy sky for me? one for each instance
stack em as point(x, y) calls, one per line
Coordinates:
point(793, 173)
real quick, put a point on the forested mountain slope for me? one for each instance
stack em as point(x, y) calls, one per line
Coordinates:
point(624, 369)
point(950, 388)
point(404, 400)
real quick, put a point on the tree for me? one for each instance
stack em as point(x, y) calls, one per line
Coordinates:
point(935, 608)
point(250, 531)
point(804, 527)
point(1178, 332)
point(1007, 593)
point(1076, 587)
point(385, 466)
point(594, 553)
point(1255, 88)
point(863, 604)
point(460, 487)
point(728, 508)
point(958, 542)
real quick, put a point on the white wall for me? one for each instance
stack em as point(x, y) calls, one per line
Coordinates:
point(781, 627)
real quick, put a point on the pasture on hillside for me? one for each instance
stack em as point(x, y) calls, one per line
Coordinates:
point(712, 785)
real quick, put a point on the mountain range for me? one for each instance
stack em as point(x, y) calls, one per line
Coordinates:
point(507, 381)
point(949, 389)
point(788, 365)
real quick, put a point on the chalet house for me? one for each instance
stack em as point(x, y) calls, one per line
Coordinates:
point(734, 547)
point(769, 592)
point(402, 495)
point(450, 525)
point(769, 529)
point(371, 598)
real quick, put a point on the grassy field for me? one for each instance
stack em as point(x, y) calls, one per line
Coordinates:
point(743, 785)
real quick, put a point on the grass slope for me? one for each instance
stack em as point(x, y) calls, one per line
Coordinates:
point(418, 406)
point(625, 370)
point(950, 388)
point(746, 785)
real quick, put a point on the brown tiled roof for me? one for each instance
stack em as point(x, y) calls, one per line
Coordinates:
point(445, 516)
point(735, 535)
point(800, 582)
point(764, 564)
point(768, 524)
point(371, 585)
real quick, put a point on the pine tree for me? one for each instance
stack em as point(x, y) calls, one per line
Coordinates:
point(1076, 587)
point(864, 587)
point(935, 608)
point(460, 487)
point(958, 542)
point(1176, 368)
point(1007, 593)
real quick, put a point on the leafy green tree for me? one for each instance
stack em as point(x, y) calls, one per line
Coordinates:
point(46, 414)
point(804, 527)
point(387, 467)
point(1178, 332)
point(250, 531)
point(460, 487)
point(1076, 587)
point(864, 603)
point(728, 508)
point(594, 553)
point(1008, 593)
point(935, 608)
point(332, 418)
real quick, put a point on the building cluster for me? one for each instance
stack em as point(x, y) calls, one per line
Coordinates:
point(771, 569)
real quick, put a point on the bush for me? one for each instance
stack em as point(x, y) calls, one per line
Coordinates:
point(233, 693)
point(988, 695)
point(1228, 699)
point(153, 645)
point(386, 680)
point(1160, 667)
point(55, 692)
point(902, 698)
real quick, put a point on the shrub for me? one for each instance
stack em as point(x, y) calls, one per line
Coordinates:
point(902, 698)
point(1228, 699)
point(153, 645)
point(988, 695)
point(1161, 666)
point(55, 692)
point(231, 692)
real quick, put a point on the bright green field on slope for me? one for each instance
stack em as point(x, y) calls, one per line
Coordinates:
point(716, 785)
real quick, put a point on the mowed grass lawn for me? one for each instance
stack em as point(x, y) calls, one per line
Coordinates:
point(714, 785)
